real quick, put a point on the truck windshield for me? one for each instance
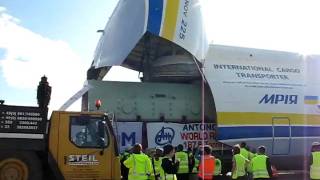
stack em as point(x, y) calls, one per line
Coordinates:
point(84, 132)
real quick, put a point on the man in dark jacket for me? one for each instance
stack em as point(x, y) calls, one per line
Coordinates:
point(169, 166)
point(124, 156)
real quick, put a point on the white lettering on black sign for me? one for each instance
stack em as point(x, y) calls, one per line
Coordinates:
point(21, 119)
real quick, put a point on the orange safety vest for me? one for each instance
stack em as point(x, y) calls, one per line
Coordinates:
point(206, 167)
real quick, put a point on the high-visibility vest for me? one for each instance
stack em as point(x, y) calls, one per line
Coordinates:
point(245, 153)
point(206, 167)
point(164, 175)
point(157, 167)
point(259, 166)
point(240, 169)
point(196, 165)
point(182, 157)
point(139, 166)
point(217, 168)
point(315, 166)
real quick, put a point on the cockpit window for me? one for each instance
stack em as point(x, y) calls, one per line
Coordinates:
point(84, 132)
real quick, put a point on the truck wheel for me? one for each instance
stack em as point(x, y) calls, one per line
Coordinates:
point(20, 165)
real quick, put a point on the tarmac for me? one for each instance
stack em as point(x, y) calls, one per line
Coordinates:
point(293, 175)
point(282, 175)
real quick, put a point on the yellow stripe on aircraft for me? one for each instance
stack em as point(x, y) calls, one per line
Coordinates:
point(253, 118)
point(311, 101)
point(170, 20)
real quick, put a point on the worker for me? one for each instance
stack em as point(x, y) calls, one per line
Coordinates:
point(239, 164)
point(139, 164)
point(207, 164)
point(150, 152)
point(252, 153)
point(315, 161)
point(260, 165)
point(183, 159)
point(44, 95)
point(169, 164)
point(124, 156)
point(81, 137)
point(243, 150)
point(156, 164)
point(126, 153)
point(217, 168)
point(196, 157)
point(190, 159)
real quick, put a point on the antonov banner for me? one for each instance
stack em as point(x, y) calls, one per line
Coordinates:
point(189, 135)
point(179, 21)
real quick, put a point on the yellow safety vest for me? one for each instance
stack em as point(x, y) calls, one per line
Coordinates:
point(244, 153)
point(315, 166)
point(165, 176)
point(249, 167)
point(217, 168)
point(259, 167)
point(184, 163)
point(139, 166)
point(157, 167)
point(240, 169)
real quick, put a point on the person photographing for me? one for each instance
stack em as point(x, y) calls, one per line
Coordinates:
point(169, 164)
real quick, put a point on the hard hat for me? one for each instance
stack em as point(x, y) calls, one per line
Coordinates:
point(159, 148)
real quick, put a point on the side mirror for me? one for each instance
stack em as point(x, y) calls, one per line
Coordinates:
point(109, 116)
point(101, 133)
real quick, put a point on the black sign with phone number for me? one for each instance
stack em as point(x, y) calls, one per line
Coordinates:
point(22, 119)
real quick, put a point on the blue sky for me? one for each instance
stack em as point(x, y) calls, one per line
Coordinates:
point(71, 22)
point(58, 38)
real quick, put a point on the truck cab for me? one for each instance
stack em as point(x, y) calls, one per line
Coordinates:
point(83, 145)
point(71, 145)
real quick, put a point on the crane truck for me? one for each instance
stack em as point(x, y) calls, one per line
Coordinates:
point(69, 145)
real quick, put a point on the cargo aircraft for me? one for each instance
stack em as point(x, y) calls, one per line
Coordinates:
point(262, 97)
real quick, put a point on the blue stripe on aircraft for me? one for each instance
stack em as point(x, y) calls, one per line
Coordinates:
point(311, 97)
point(301, 131)
point(155, 16)
point(266, 131)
